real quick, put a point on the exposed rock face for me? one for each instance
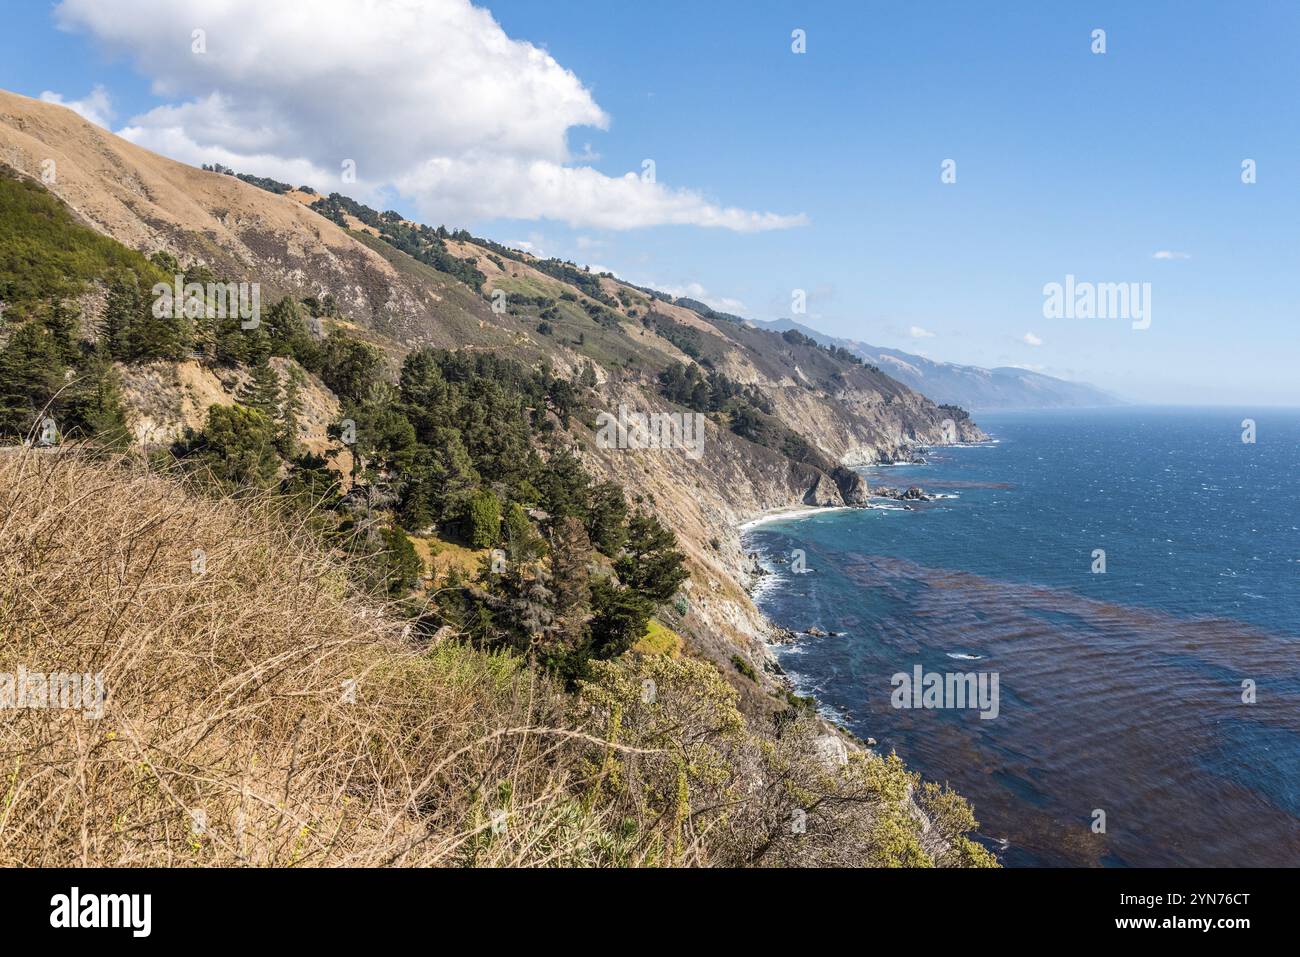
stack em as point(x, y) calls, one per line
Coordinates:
point(852, 486)
point(823, 493)
point(164, 399)
point(832, 750)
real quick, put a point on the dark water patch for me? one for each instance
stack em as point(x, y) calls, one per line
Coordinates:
point(1102, 707)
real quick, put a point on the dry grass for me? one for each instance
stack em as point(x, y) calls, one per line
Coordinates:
point(229, 736)
point(230, 646)
point(441, 557)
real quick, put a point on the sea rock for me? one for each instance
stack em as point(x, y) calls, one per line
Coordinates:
point(823, 493)
point(913, 493)
point(817, 632)
point(852, 487)
point(782, 636)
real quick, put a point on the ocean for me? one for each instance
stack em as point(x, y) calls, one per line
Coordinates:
point(1130, 577)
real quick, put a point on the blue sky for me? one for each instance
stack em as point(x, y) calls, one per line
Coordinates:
point(780, 171)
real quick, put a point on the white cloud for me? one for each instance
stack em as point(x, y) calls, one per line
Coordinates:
point(1170, 254)
point(916, 332)
point(1032, 340)
point(692, 290)
point(482, 186)
point(429, 97)
point(527, 246)
point(96, 107)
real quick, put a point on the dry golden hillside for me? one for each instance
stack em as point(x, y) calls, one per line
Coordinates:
point(148, 202)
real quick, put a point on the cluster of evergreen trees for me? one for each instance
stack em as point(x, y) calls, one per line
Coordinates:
point(708, 392)
point(689, 340)
point(48, 374)
point(49, 368)
point(470, 445)
point(747, 412)
point(419, 242)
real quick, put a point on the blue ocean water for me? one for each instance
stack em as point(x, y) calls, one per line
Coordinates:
point(1121, 692)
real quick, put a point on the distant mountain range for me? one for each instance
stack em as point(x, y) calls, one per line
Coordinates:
point(971, 387)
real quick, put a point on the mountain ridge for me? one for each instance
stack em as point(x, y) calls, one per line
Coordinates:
point(975, 388)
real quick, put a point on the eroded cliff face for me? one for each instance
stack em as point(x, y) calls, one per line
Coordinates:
point(856, 427)
point(707, 500)
point(164, 399)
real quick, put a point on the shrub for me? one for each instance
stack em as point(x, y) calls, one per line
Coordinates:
point(744, 667)
point(484, 519)
point(237, 447)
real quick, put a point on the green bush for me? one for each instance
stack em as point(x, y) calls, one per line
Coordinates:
point(745, 668)
point(484, 519)
point(237, 446)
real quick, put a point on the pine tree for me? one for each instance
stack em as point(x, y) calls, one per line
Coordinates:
point(452, 475)
point(262, 391)
point(527, 613)
point(63, 321)
point(620, 618)
point(484, 519)
point(31, 375)
point(285, 329)
point(238, 447)
point(522, 543)
point(121, 314)
point(606, 514)
point(168, 336)
point(570, 560)
point(651, 563)
point(290, 407)
point(93, 407)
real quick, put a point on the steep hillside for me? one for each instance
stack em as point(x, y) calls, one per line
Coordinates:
point(783, 417)
point(970, 387)
point(260, 712)
point(147, 202)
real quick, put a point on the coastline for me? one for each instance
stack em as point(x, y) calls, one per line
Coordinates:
point(783, 512)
